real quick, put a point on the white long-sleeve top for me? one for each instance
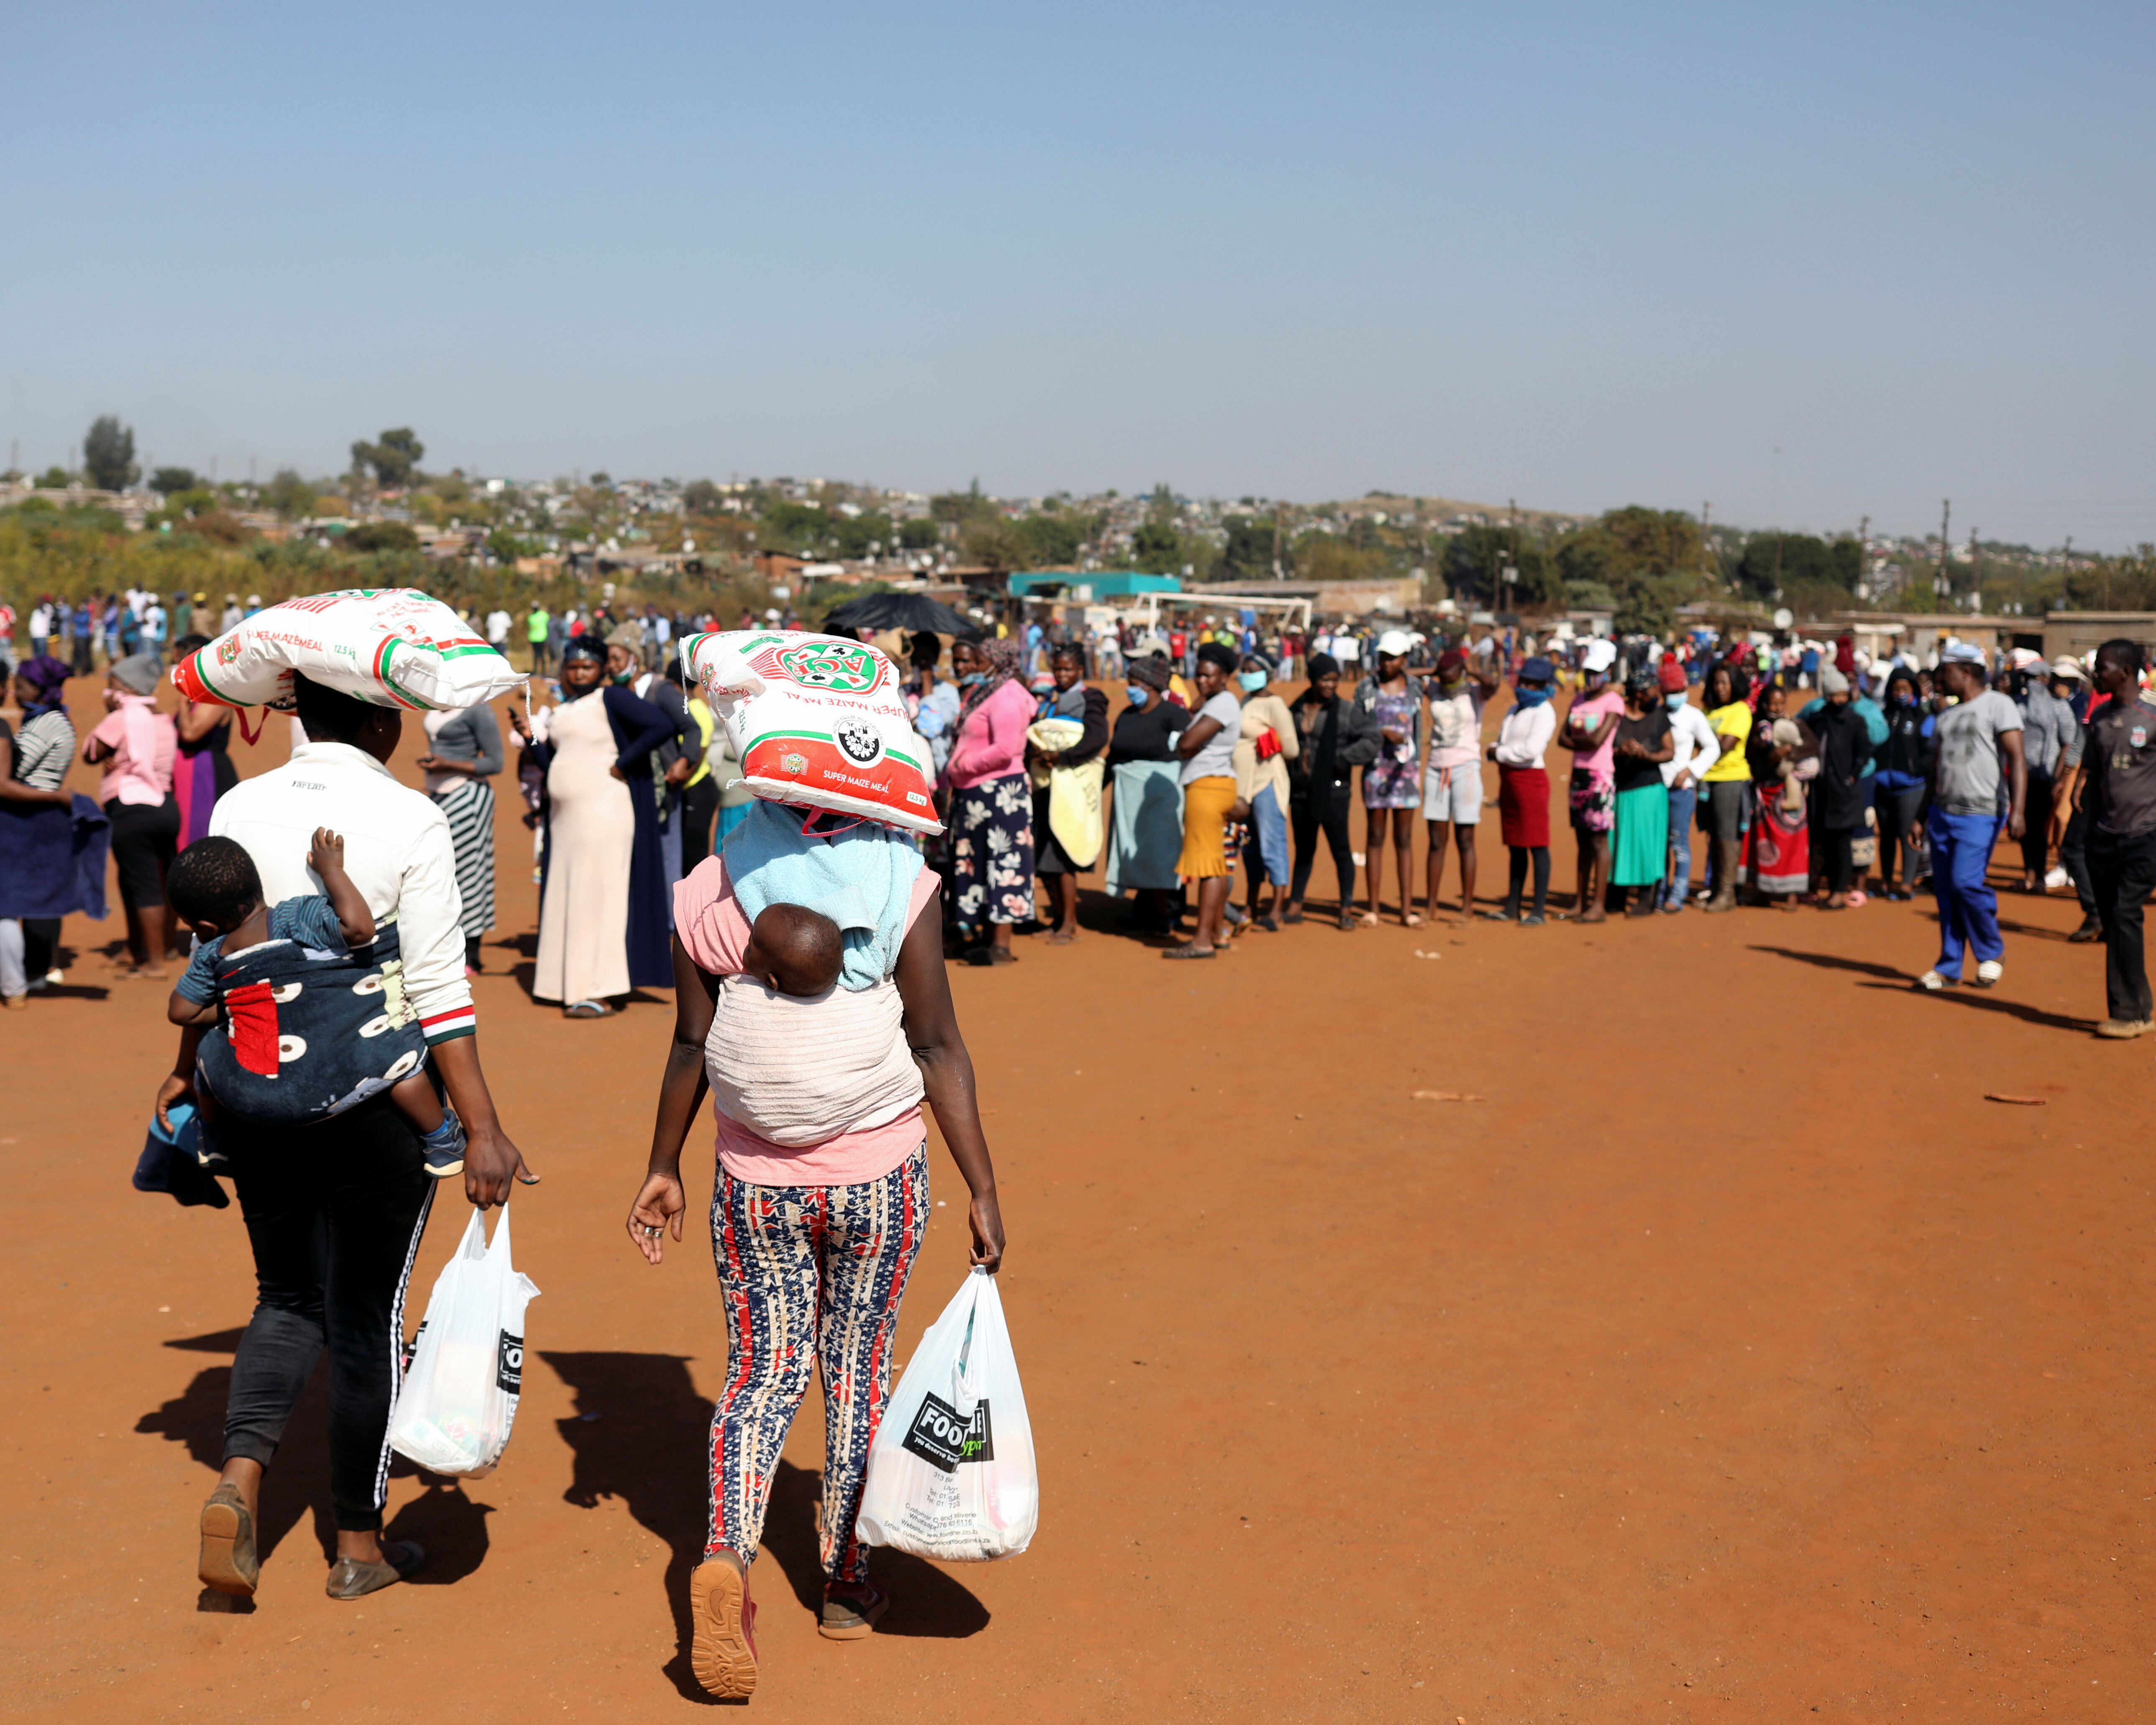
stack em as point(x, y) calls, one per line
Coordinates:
point(397, 849)
point(1697, 747)
point(1525, 734)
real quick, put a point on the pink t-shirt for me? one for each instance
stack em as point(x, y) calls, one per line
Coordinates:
point(1588, 710)
point(143, 742)
point(713, 931)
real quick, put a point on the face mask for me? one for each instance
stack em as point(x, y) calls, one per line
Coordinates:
point(1674, 700)
point(973, 677)
point(1531, 696)
point(1138, 696)
point(1253, 680)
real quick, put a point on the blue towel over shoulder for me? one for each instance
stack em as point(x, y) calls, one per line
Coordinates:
point(861, 878)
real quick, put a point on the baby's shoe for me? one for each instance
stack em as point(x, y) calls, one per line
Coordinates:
point(445, 1146)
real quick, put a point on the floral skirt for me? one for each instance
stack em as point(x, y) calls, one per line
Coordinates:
point(988, 853)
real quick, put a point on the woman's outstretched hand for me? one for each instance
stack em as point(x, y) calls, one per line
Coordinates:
point(657, 1210)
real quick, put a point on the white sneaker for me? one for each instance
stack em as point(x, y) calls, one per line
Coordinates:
point(1989, 972)
point(1931, 982)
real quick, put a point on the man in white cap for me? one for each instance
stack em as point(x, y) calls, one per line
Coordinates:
point(2048, 725)
point(1979, 762)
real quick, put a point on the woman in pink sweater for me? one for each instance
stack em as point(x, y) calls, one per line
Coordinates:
point(989, 846)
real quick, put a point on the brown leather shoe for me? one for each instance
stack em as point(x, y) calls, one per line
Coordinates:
point(228, 1561)
point(722, 1649)
point(351, 1580)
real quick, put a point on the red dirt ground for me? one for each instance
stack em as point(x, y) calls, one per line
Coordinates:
point(1734, 1360)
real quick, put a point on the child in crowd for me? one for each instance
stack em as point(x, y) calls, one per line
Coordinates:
point(218, 892)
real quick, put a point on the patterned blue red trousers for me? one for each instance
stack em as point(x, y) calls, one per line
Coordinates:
point(808, 1274)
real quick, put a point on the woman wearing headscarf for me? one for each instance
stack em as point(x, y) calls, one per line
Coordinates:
point(1591, 732)
point(1644, 740)
point(1901, 782)
point(33, 761)
point(1070, 699)
point(1523, 789)
point(1266, 741)
point(1839, 794)
point(1782, 754)
point(463, 751)
point(203, 769)
point(136, 746)
point(1207, 746)
point(1392, 789)
point(989, 832)
point(601, 840)
point(1145, 816)
point(1336, 736)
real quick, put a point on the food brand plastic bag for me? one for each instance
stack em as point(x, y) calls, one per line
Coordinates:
point(393, 646)
point(459, 1396)
point(817, 720)
point(950, 1474)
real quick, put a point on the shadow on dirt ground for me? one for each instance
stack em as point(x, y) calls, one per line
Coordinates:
point(451, 1527)
point(640, 1434)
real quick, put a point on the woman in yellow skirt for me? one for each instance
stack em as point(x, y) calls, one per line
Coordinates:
point(1207, 747)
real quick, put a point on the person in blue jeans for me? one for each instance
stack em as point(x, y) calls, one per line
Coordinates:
point(1697, 748)
point(1979, 756)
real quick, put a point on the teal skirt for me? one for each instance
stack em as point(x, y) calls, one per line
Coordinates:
point(1639, 845)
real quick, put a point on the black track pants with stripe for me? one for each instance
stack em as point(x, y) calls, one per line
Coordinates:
point(335, 1211)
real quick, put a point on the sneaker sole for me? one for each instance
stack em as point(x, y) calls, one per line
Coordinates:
point(719, 1655)
point(446, 1169)
point(220, 1529)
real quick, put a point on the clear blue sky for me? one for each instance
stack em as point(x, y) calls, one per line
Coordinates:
point(1579, 255)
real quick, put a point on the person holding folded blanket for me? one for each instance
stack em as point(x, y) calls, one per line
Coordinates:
point(822, 1191)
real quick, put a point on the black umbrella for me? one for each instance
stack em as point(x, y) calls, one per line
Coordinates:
point(911, 612)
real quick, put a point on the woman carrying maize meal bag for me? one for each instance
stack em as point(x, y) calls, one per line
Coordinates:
point(350, 1191)
point(812, 1004)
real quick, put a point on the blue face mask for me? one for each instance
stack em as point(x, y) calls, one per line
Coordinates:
point(1528, 696)
point(1674, 700)
point(1253, 680)
point(1138, 696)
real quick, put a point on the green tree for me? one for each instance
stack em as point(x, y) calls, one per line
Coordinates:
point(55, 478)
point(994, 544)
point(1157, 549)
point(108, 454)
point(1776, 563)
point(1052, 540)
point(290, 494)
point(918, 535)
point(701, 497)
point(1248, 555)
point(169, 480)
point(959, 507)
point(394, 456)
point(382, 536)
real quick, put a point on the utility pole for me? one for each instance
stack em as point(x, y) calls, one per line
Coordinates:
point(1863, 571)
point(1976, 566)
point(1946, 549)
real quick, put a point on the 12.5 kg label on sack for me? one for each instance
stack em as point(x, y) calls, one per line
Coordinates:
point(943, 1440)
point(509, 1364)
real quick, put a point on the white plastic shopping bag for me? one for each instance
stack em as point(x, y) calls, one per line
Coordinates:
point(817, 720)
point(393, 646)
point(459, 1396)
point(950, 1474)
